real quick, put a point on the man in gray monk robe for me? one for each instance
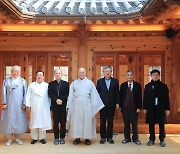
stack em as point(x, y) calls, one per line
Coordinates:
point(83, 103)
point(13, 118)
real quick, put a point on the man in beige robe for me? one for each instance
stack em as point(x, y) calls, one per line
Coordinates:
point(83, 103)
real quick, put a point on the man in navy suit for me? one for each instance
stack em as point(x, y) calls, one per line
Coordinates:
point(131, 104)
point(108, 89)
point(58, 91)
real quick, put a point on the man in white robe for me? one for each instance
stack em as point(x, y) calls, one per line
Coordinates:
point(38, 102)
point(13, 118)
point(83, 104)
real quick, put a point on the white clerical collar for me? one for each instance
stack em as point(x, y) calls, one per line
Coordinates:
point(130, 83)
point(58, 81)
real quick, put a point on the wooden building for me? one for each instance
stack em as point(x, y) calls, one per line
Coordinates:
point(126, 34)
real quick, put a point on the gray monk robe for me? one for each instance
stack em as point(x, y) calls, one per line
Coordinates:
point(83, 103)
point(13, 119)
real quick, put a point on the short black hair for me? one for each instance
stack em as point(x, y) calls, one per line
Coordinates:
point(155, 71)
point(130, 71)
point(39, 71)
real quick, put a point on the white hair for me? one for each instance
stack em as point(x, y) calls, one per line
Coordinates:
point(16, 67)
point(57, 70)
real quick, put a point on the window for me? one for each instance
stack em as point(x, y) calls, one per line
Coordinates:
point(151, 62)
point(64, 70)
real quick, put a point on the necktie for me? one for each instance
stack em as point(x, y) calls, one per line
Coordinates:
point(130, 86)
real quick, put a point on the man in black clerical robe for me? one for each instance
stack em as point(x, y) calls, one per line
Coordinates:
point(58, 91)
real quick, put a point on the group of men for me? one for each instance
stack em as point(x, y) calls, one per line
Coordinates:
point(74, 108)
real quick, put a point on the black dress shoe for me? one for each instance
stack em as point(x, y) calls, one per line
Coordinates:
point(43, 141)
point(87, 142)
point(125, 141)
point(102, 141)
point(137, 142)
point(33, 141)
point(150, 143)
point(56, 141)
point(62, 141)
point(162, 143)
point(77, 141)
point(110, 140)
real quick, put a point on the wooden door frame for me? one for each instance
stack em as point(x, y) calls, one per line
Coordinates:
point(69, 54)
point(116, 62)
point(162, 53)
point(138, 63)
point(94, 63)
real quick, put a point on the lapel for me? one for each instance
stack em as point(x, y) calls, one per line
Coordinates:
point(111, 84)
point(104, 83)
point(134, 86)
point(126, 86)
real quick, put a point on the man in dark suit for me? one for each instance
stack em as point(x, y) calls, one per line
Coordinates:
point(108, 89)
point(156, 105)
point(131, 104)
point(58, 91)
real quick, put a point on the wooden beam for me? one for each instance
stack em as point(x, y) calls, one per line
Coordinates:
point(115, 22)
point(136, 21)
point(34, 27)
point(104, 22)
point(93, 21)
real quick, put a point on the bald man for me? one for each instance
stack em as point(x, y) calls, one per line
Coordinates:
point(13, 118)
point(83, 104)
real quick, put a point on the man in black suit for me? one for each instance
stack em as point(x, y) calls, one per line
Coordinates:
point(156, 105)
point(58, 91)
point(108, 89)
point(131, 104)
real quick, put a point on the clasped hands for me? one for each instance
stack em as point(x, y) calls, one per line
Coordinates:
point(59, 102)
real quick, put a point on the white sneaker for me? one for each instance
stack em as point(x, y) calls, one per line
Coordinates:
point(18, 141)
point(9, 142)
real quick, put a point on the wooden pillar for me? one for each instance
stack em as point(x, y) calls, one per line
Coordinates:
point(175, 92)
point(1, 80)
point(82, 47)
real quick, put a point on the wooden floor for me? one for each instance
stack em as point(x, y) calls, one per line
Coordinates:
point(172, 140)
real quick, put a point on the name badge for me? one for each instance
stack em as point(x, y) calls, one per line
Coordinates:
point(156, 101)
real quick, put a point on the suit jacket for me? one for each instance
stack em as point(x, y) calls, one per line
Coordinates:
point(137, 94)
point(109, 97)
point(63, 94)
point(162, 92)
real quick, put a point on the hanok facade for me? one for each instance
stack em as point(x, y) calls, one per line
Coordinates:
point(126, 34)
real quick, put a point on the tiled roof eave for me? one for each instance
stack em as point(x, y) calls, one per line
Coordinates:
point(90, 17)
